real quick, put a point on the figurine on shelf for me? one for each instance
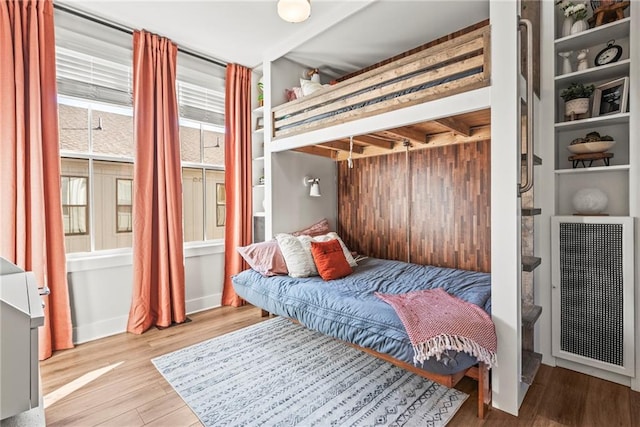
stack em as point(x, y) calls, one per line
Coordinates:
point(582, 59)
point(566, 63)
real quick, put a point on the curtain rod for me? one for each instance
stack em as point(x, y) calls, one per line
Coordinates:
point(128, 30)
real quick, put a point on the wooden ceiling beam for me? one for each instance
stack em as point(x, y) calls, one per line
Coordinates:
point(377, 142)
point(481, 133)
point(342, 146)
point(317, 151)
point(455, 126)
point(413, 135)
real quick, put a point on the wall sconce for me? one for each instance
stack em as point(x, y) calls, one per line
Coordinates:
point(294, 10)
point(314, 191)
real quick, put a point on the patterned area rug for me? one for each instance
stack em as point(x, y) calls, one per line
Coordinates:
point(277, 373)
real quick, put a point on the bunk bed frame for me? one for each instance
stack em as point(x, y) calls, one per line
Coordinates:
point(460, 64)
point(479, 372)
point(454, 64)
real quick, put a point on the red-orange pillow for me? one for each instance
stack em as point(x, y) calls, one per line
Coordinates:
point(330, 260)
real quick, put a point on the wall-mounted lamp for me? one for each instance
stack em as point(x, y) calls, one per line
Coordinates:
point(294, 10)
point(314, 191)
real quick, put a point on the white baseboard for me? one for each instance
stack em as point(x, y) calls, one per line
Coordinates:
point(594, 372)
point(203, 303)
point(118, 325)
point(99, 329)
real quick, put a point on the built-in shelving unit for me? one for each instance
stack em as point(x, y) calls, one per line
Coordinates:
point(257, 156)
point(618, 180)
point(614, 178)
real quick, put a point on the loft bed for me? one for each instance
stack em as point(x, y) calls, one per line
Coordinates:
point(459, 64)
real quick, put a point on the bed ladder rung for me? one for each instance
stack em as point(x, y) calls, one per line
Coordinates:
point(530, 364)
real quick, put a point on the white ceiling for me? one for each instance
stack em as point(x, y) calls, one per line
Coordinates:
point(246, 32)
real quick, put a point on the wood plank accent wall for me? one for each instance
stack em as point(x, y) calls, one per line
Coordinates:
point(450, 222)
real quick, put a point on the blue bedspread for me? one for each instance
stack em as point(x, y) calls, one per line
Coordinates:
point(347, 308)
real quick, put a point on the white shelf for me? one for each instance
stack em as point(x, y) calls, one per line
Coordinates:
point(259, 214)
point(593, 169)
point(595, 36)
point(593, 74)
point(259, 130)
point(613, 119)
point(258, 186)
point(259, 159)
point(259, 110)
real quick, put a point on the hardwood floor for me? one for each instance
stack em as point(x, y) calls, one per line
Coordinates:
point(129, 391)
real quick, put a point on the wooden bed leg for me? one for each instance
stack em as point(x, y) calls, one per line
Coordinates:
point(264, 313)
point(484, 392)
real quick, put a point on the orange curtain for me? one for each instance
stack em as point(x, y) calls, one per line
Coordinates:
point(31, 215)
point(158, 255)
point(237, 176)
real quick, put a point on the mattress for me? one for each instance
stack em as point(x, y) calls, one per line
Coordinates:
point(378, 99)
point(347, 308)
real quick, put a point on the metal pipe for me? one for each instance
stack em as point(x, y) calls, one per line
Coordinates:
point(124, 29)
point(525, 23)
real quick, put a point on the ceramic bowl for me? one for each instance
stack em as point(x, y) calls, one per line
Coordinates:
point(591, 147)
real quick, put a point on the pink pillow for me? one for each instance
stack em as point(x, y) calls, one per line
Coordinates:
point(265, 258)
point(319, 228)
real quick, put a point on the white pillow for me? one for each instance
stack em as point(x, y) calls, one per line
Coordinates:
point(299, 260)
point(308, 87)
point(297, 253)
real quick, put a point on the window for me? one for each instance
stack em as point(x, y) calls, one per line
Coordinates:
point(202, 172)
point(75, 210)
point(221, 208)
point(97, 144)
point(124, 211)
point(95, 86)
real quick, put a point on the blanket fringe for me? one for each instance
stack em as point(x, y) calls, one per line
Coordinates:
point(440, 343)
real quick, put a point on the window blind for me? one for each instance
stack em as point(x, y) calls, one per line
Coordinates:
point(201, 104)
point(88, 77)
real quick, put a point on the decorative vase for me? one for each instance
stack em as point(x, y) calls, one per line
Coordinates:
point(590, 201)
point(566, 62)
point(576, 106)
point(579, 26)
point(566, 26)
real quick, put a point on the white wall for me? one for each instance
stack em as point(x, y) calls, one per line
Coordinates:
point(295, 208)
point(505, 171)
point(545, 182)
point(100, 289)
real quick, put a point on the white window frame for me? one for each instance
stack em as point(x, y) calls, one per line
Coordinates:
point(204, 167)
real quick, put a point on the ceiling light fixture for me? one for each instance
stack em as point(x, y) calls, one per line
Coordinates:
point(294, 10)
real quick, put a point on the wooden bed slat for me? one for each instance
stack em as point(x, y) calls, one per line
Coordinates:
point(427, 77)
point(317, 151)
point(342, 146)
point(472, 82)
point(348, 87)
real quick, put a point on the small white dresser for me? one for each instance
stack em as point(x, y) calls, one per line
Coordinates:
point(20, 315)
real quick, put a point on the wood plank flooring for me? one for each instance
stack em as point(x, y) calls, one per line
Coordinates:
point(133, 393)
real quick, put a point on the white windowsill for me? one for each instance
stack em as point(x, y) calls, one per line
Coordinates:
point(86, 261)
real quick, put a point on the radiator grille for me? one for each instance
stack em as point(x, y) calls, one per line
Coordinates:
point(591, 292)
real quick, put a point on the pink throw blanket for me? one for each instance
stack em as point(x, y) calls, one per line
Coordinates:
point(436, 321)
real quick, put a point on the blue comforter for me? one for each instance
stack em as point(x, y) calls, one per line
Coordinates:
point(347, 308)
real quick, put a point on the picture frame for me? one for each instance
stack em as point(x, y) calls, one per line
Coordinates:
point(611, 98)
point(259, 123)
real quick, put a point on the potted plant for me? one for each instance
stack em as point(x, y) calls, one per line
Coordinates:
point(576, 98)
